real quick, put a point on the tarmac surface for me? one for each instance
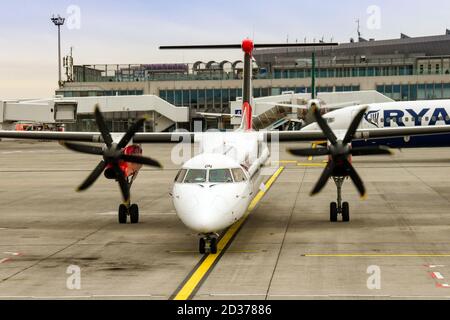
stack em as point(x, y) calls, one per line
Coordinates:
point(397, 245)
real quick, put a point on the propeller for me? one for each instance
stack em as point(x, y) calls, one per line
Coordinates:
point(256, 46)
point(339, 152)
point(112, 154)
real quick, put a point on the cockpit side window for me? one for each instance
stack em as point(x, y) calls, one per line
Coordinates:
point(239, 175)
point(195, 176)
point(180, 176)
point(220, 176)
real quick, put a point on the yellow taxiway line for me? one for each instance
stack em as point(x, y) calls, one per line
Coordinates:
point(314, 146)
point(317, 165)
point(208, 263)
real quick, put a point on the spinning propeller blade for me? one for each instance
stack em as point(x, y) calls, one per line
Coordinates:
point(326, 174)
point(112, 154)
point(340, 152)
point(93, 176)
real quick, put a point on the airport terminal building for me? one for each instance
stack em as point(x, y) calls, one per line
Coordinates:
point(402, 69)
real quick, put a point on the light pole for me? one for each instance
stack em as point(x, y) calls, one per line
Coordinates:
point(59, 21)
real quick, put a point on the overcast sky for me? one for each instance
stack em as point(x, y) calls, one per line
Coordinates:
point(122, 32)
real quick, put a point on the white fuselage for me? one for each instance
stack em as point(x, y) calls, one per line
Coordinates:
point(391, 114)
point(214, 189)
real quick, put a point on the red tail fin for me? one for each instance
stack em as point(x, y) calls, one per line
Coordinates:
point(248, 116)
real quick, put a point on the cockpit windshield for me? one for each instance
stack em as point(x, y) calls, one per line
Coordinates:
point(180, 176)
point(239, 175)
point(220, 176)
point(195, 176)
point(234, 175)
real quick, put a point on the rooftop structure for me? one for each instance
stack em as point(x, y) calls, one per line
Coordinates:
point(406, 68)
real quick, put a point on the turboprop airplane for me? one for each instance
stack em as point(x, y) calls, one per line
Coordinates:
point(213, 190)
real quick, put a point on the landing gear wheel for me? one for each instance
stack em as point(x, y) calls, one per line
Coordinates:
point(345, 212)
point(123, 213)
point(333, 212)
point(134, 214)
point(202, 246)
point(213, 246)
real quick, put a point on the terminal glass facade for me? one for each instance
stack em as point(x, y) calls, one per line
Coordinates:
point(422, 91)
point(220, 98)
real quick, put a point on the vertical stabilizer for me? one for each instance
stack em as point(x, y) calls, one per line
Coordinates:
point(247, 90)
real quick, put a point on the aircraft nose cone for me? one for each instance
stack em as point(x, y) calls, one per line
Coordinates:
point(212, 214)
point(205, 212)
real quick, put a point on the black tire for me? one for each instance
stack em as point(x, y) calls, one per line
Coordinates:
point(333, 212)
point(213, 248)
point(123, 213)
point(134, 214)
point(202, 246)
point(345, 212)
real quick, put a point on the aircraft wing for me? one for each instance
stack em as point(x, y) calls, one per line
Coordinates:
point(51, 135)
point(361, 134)
point(163, 137)
point(175, 137)
point(364, 134)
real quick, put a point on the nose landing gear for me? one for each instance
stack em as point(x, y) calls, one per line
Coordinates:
point(208, 243)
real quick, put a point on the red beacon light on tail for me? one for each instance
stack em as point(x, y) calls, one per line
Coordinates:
point(248, 46)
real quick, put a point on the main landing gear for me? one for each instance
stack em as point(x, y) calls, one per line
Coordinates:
point(126, 210)
point(339, 208)
point(208, 243)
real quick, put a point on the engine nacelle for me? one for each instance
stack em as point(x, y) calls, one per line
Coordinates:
point(129, 169)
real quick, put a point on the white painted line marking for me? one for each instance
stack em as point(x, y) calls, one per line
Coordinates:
point(82, 297)
point(111, 213)
point(16, 254)
point(114, 213)
point(28, 151)
point(262, 187)
point(360, 296)
point(438, 275)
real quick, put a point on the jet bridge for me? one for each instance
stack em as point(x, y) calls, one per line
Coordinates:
point(269, 116)
point(50, 112)
point(78, 111)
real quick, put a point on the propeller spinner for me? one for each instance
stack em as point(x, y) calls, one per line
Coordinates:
point(112, 155)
